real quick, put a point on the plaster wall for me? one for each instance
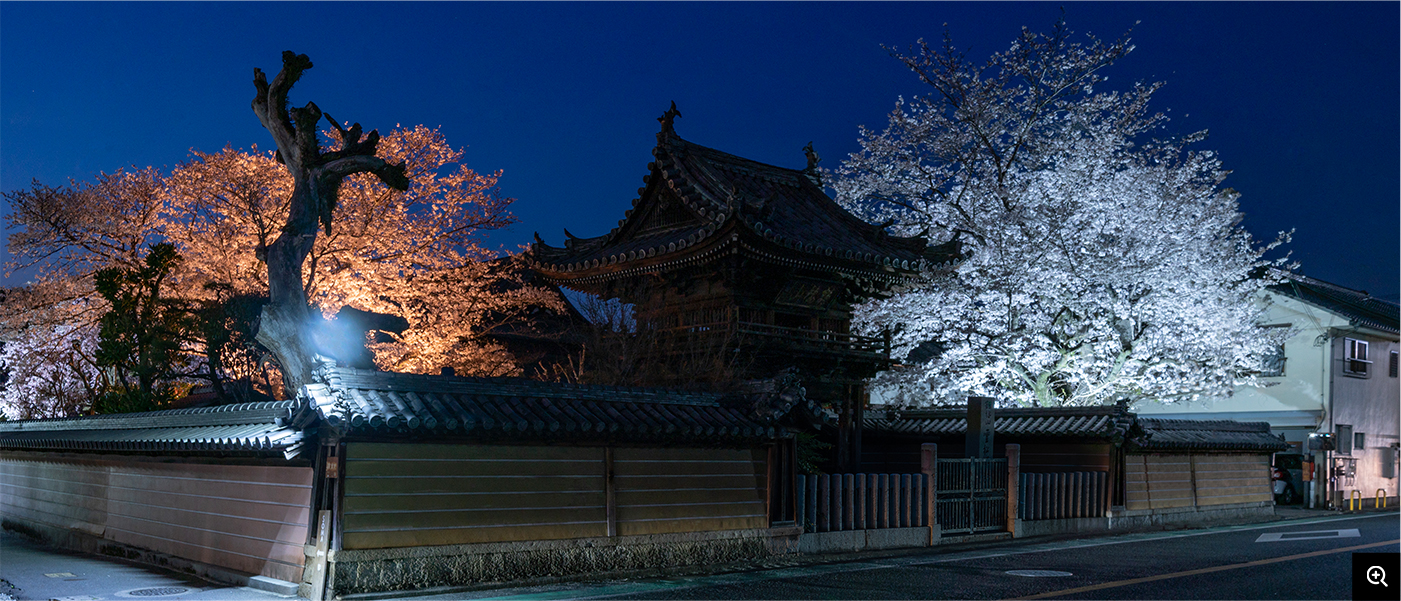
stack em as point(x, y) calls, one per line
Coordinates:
point(1371, 404)
point(1301, 392)
point(1315, 395)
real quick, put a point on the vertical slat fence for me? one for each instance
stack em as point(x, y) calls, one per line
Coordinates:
point(838, 502)
point(1062, 495)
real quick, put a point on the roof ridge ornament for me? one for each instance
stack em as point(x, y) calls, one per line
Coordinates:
point(813, 160)
point(668, 120)
point(813, 157)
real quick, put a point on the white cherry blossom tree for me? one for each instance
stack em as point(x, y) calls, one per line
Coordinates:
point(1101, 263)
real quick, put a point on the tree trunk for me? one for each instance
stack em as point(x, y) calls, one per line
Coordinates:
point(286, 324)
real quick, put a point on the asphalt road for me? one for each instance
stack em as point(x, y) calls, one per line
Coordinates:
point(1298, 559)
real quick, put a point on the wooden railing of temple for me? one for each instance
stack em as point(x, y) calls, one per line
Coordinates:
point(683, 338)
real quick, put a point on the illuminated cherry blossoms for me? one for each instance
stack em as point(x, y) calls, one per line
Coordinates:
point(1102, 264)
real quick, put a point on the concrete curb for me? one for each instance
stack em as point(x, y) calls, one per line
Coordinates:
point(273, 585)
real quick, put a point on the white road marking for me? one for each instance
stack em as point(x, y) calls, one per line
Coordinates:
point(1274, 537)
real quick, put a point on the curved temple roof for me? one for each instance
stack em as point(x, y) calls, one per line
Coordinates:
point(729, 199)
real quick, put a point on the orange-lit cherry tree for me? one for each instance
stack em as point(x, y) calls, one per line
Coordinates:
point(413, 253)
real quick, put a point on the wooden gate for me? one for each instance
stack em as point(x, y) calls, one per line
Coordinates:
point(971, 495)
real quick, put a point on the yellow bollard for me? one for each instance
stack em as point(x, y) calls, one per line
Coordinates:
point(1381, 499)
point(1355, 496)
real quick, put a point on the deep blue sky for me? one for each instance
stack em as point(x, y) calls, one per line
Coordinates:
point(1301, 99)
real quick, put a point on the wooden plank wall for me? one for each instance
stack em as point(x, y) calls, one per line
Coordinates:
point(1157, 481)
point(62, 494)
point(404, 495)
point(248, 518)
point(1223, 479)
point(689, 490)
point(1042, 457)
point(1162, 481)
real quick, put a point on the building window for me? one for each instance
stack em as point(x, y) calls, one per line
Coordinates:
point(1359, 440)
point(1355, 357)
point(1392, 370)
point(1343, 434)
point(1273, 364)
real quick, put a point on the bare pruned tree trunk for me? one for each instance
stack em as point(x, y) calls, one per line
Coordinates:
point(285, 327)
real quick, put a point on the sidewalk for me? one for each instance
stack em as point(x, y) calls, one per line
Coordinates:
point(34, 571)
point(1294, 512)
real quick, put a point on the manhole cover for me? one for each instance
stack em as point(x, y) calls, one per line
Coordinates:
point(155, 591)
point(1038, 573)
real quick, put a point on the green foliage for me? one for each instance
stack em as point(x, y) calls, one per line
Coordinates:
point(227, 326)
point(810, 452)
point(142, 337)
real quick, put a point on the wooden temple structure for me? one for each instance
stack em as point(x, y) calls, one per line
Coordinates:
point(750, 267)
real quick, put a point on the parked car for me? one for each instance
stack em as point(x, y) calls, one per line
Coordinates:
point(1287, 478)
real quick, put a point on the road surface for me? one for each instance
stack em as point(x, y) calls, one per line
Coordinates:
point(1298, 559)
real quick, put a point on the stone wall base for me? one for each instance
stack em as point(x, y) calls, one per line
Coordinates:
point(1258, 511)
point(848, 541)
point(1061, 526)
point(1152, 519)
point(358, 571)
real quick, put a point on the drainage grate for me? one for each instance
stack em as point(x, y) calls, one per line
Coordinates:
point(1039, 573)
point(158, 591)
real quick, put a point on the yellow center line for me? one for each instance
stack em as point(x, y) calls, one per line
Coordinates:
point(1259, 562)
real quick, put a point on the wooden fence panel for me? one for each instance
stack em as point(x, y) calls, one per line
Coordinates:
point(1169, 479)
point(1185, 480)
point(1047, 496)
point(61, 494)
point(247, 518)
point(1225, 479)
point(689, 490)
point(403, 495)
point(1040, 457)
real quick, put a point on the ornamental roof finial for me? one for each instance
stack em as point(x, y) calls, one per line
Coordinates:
point(668, 118)
point(811, 170)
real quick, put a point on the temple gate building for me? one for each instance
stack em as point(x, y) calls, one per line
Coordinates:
point(740, 270)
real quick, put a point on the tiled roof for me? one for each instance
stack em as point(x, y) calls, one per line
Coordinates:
point(1110, 422)
point(1358, 307)
point(507, 409)
point(247, 428)
point(730, 194)
point(1186, 434)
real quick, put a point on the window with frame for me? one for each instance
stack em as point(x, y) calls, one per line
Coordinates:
point(1359, 440)
point(1391, 371)
point(1342, 433)
point(1355, 357)
point(1272, 364)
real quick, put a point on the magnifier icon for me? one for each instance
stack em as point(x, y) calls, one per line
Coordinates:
point(1376, 575)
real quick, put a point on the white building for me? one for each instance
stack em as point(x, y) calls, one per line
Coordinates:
point(1333, 392)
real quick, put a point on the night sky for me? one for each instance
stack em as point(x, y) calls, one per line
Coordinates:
point(1301, 99)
